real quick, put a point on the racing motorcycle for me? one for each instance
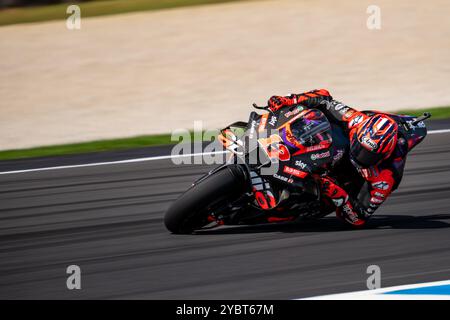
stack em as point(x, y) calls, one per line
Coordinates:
point(271, 173)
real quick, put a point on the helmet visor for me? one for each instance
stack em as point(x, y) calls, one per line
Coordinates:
point(363, 157)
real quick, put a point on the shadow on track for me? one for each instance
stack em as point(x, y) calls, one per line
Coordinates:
point(331, 224)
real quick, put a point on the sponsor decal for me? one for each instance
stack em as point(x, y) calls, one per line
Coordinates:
point(356, 120)
point(293, 112)
point(344, 110)
point(369, 143)
point(364, 172)
point(338, 202)
point(294, 172)
point(379, 194)
point(326, 103)
point(273, 121)
point(263, 122)
point(283, 178)
point(338, 106)
point(308, 126)
point(349, 113)
point(252, 129)
point(421, 124)
point(317, 156)
point(376, 200)
point(350, 214)
point(338, 156)
point(316, 147)
point(382, 185)
point(301, 164)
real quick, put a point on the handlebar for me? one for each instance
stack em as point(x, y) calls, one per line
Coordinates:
point(423, 117)
point(260, 108)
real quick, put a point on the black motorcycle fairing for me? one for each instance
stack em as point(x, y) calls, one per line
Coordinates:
point(294, 162)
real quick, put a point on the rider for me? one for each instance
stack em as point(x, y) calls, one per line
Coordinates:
point(376, 152)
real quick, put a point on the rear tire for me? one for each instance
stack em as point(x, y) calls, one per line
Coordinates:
point(190, 211)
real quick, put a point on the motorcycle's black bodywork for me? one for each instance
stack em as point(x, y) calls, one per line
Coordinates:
point(226, 195)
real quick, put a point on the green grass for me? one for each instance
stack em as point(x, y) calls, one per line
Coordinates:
point(436, 113)
point(145, 141)
point(86, 147)
point(92, 8)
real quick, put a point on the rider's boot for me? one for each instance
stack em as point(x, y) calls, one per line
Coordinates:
point(344, 209)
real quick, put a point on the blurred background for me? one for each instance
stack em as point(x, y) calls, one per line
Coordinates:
point(141, 67)
point(17, 3)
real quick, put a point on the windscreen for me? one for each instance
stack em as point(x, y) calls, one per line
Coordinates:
point(311, 129)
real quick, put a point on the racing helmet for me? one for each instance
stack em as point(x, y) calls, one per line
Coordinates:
point(373, 140)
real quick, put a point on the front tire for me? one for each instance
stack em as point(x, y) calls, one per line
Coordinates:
point(190, 211)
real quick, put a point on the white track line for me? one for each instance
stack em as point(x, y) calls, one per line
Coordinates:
point(438, 131)
point(381, 294)
point(114, 162)
point(142, 159)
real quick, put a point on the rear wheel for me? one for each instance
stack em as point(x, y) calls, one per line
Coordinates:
point(191, 210)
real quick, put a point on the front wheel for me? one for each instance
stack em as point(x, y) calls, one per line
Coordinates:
point(191, 210)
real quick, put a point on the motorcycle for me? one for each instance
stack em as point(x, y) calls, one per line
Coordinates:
point(271, 174)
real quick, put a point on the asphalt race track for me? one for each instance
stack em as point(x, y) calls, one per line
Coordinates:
point(109, 221)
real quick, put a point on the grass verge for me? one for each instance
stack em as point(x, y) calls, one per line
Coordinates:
point(146, 141)
point(86, 147)
point(92, 9)
point(436, 113)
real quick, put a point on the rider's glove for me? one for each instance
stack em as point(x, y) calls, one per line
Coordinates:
point(276, 102)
